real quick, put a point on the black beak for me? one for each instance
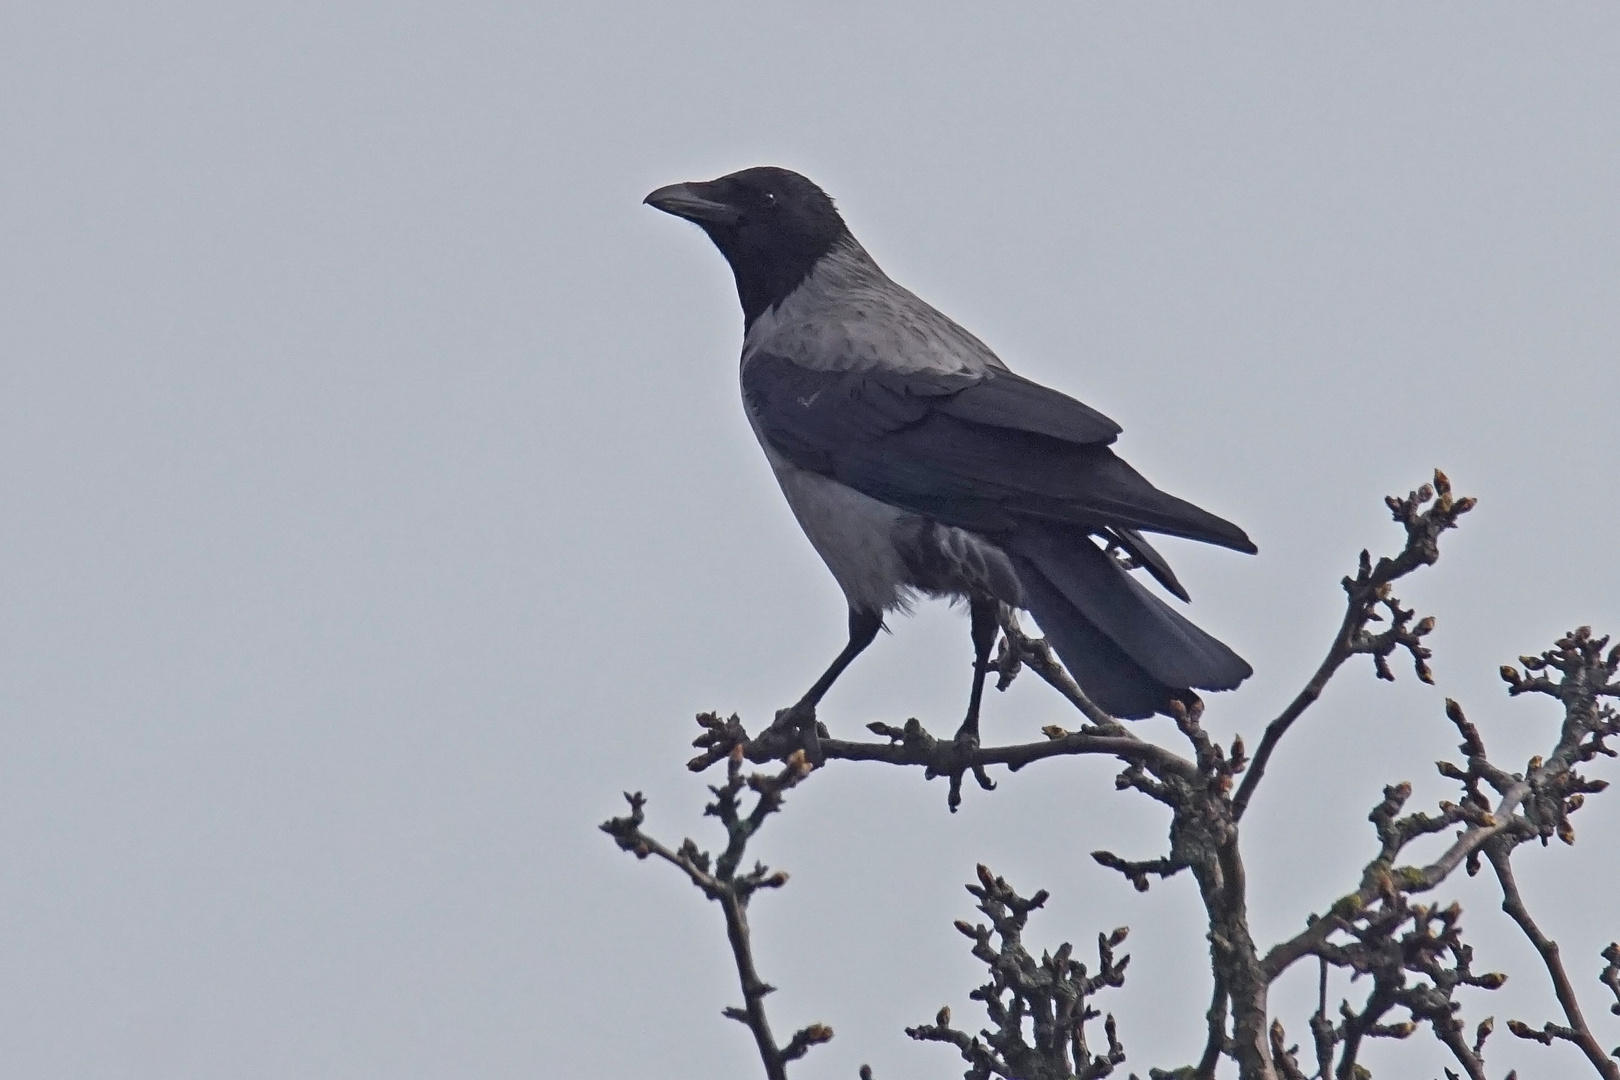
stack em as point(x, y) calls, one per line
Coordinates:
point(689, 201)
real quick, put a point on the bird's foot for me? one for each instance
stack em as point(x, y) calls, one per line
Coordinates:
point(799, 726)
point(966, 746)
point(797, 718)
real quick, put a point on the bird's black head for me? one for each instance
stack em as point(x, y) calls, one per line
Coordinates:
point(772, 226)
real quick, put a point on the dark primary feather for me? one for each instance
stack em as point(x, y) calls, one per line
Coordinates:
point(1137, 547)
point(1104, 671)
point(989, 453)
point(1167, 646)
point(1126, 648)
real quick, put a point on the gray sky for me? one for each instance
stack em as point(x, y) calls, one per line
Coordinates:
point(376, 504)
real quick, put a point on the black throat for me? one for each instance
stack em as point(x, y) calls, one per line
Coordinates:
point(767, 273)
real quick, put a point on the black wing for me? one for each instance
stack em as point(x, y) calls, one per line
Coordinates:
point(981, 452)
point(1145, 556)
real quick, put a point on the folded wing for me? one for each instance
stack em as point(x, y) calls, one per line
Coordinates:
point(991, 453)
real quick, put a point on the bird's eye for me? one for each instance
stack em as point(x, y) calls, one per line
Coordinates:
point(770, 198)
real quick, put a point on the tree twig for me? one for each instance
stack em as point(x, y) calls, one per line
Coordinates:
point(720, 881)
point(912, 744)
point(1039, 1009)
point(1365, 593)
point(1577, 1031)
point(1215, 1042)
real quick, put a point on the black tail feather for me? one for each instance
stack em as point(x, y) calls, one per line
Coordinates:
point(1110, 678)
point(1128, 650)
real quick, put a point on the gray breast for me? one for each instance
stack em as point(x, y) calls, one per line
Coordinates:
point(853, 533)
point(881, 555)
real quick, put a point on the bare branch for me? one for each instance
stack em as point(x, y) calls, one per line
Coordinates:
point(1053, 995)
point(1018, 650)
point(1391, 937)
point(1216, 1043)
point(1611, 976)
point(1548, 792)
point(1323, 1033)
point(912, 744)
point(1137, 872)
point(1284, 1055)
point(1365, 593)
point(1577, 1031)
point(732, 890)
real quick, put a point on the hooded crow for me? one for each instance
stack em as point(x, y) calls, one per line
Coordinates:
point(916, 462)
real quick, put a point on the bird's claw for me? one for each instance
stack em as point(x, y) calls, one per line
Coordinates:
point(797, 718)
point(799, 722)
point(965, 745)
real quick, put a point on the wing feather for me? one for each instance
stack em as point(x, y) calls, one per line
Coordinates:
point(983, 451)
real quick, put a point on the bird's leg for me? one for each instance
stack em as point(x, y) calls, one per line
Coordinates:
point(863, 628)
point(984, 620)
